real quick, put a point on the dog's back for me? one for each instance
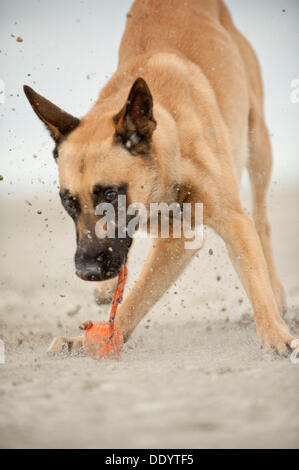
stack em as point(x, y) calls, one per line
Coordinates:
point(200, 31)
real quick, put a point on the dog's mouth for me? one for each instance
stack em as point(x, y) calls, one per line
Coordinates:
point(97, 274)
point(96, 261)
point(100, 269)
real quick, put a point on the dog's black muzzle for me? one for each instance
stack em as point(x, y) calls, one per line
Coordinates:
point(100, 260)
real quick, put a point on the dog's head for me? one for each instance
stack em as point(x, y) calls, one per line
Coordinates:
point(106, 154)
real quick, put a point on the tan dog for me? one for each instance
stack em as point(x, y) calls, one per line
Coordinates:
point(184, 110)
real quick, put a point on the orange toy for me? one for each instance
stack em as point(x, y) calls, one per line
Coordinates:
point(104, 339)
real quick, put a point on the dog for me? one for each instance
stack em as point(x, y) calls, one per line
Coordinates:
point(179, 121)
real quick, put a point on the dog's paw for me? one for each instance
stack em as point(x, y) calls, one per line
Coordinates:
point(64, 343)
point(101, 300)
point(277, 338)
point(295, 354)
point(105, 290)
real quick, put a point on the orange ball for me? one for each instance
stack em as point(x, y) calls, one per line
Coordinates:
point(101, 340)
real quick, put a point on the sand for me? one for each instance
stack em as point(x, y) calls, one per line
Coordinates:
point(192, 375)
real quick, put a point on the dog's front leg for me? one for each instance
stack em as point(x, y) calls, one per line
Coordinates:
point(244, 247)
point(165, 262)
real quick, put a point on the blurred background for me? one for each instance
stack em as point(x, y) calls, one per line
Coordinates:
point(68, 49)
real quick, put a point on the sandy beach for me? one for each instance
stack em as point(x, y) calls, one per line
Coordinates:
point(192, 375)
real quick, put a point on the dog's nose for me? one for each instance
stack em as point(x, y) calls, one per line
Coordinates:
point(89, 265)
point(96, 266)
point(89, 272)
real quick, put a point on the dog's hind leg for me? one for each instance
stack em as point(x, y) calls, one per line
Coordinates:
point(259, 168)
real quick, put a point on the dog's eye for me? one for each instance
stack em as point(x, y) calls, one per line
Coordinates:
point(110, 195)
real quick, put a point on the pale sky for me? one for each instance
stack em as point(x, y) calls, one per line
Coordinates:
point(69, 49)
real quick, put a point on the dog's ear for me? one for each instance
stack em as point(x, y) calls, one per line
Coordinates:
point(59, 123)
point(135, 123)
